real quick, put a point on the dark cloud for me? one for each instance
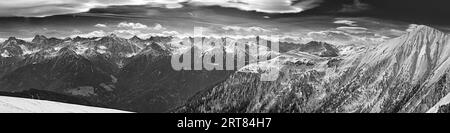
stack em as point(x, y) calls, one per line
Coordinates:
point(413, 11)
point(355, 7)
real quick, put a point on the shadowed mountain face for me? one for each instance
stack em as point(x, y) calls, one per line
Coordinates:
point(66, 72)
point(406, 74)
point(153, 86)
point(148, 83)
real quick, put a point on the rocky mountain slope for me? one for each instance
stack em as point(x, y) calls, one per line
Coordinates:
point(406, 74)
point(321, 49)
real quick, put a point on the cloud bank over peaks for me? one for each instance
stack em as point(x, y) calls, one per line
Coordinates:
point(127, 30)
point(355, 7)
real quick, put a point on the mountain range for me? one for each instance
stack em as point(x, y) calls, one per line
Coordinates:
point(405, 74)
point(130, 74)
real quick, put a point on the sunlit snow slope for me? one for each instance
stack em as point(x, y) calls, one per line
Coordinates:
point(21, 105)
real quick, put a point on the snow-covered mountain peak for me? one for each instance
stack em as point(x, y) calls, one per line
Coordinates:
point(66, 51)
point(39, 39)
point(425, 33)
point(112, 36)
point(423, 28)
point(135, 38)
point(12, 41)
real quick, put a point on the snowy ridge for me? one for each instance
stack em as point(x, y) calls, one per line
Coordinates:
point(443, 101)
point(22, 105)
